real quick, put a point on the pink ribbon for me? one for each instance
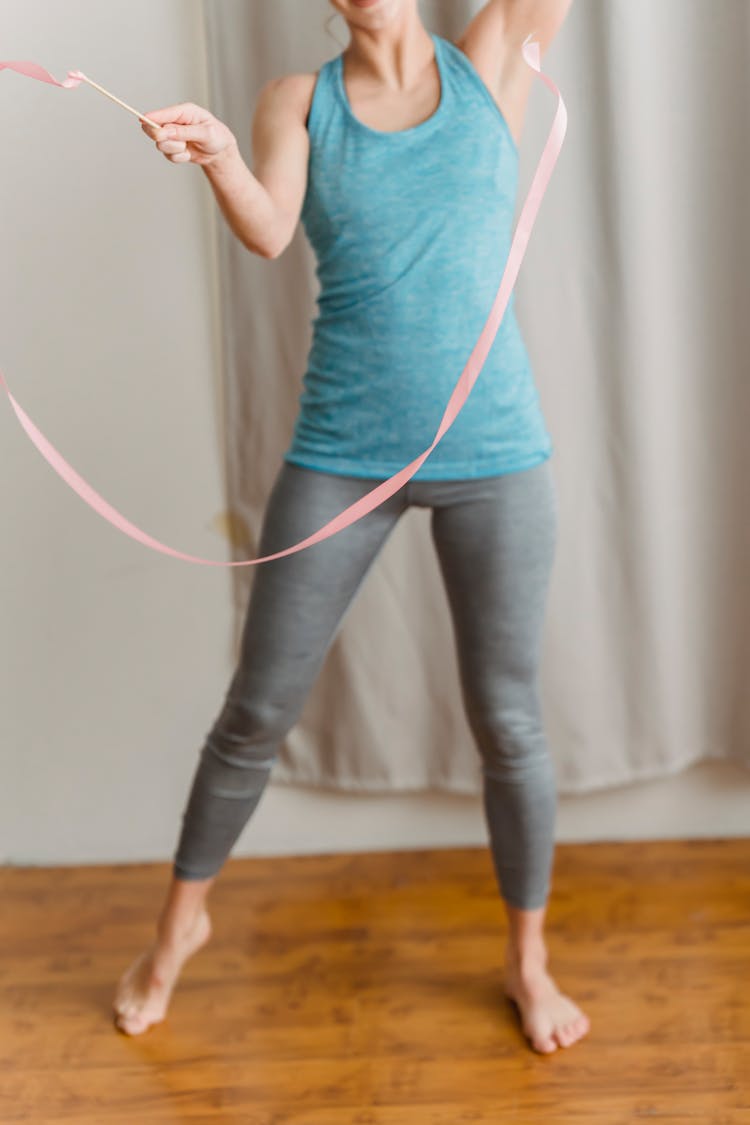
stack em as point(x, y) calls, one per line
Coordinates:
point(458, 397)
point(34, 70)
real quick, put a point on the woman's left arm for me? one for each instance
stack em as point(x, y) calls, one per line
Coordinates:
point(497, 31)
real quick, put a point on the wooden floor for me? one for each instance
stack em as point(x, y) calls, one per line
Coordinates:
point(364, 990)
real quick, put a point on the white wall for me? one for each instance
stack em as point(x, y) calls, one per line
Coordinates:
point(114, 659)
point(112, 656)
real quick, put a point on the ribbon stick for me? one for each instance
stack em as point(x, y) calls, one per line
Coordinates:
point(457, 399)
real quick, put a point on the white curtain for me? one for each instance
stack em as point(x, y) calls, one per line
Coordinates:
point(633, 302)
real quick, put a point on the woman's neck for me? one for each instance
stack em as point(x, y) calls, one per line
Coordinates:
point(392, 56)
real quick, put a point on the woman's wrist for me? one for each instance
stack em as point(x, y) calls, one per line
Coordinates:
point(223, 161)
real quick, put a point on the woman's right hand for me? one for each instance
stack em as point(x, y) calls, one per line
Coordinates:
point(199, 137)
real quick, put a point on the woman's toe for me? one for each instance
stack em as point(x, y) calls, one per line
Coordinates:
point(546, 1046)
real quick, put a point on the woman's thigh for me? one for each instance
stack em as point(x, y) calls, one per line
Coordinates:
point(298, 602)
point(495, 542)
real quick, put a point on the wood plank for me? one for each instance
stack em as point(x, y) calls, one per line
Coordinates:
point(366, 989)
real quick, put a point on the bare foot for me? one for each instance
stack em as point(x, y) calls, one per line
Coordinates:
point(145, 988)
point(548, 1017)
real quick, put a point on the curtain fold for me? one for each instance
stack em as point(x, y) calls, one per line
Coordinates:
point(632, 300)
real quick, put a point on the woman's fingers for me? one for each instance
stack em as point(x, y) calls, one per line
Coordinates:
point(206, 135)
point(171, 148)
point(187, 132)
point(186, 113)
point(199, 133)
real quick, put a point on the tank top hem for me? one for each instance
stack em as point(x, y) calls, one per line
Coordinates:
point(383, 470)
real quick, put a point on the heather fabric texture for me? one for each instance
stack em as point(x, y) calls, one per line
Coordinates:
point(495, 542)
point(411, 232)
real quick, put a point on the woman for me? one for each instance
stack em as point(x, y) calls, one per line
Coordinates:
point(401, 157)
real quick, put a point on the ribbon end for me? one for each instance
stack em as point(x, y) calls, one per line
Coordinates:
point(530, 50)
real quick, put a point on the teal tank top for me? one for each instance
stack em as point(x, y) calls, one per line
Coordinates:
point(411, 232)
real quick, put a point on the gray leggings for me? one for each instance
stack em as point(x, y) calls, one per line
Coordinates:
point(495, 541)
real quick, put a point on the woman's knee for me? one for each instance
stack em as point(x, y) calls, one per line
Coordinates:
point(512, 741)
point(247, 731)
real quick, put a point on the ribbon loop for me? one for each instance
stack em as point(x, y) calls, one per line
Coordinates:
point(457, 399)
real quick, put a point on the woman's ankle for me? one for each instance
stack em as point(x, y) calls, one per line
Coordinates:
point(184, 905)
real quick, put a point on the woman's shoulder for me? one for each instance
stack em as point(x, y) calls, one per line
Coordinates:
point(291, 93)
